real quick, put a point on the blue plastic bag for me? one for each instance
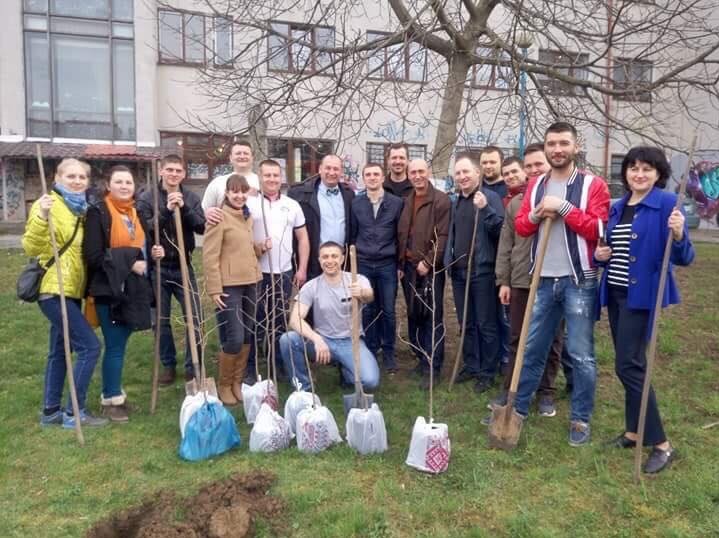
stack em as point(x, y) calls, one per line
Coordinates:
point(211, 431)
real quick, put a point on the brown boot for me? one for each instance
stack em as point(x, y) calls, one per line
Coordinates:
point(224, 385)
point(239, 371)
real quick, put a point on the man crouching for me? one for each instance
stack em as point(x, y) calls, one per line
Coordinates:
point(330, 341)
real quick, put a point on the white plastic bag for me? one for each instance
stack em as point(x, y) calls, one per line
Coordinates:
point(366, 432)
point(253, 396)
point(191, 404)
point(430, 448)
point(316, 430)
point(296, 402)
point(270, 432)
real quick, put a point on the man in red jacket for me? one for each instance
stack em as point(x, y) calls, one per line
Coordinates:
point(576, 202)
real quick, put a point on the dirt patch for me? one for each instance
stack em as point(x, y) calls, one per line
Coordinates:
point(222, 509)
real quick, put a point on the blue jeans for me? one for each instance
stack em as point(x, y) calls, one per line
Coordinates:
point(116, 336)
point(421, 330)
point(171, 280)
point(378, 317)
point(557, 298)
point(293, 351)
point(279, 304)
point(481, 339)
point(503, 329)
point(82, 341)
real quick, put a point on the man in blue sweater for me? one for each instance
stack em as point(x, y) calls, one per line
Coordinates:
point(374, 218)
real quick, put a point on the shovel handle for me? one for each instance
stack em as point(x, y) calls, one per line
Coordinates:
point(356, 328)
point(536, 275)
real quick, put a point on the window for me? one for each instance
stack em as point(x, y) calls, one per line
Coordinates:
point(633, 75)
point(293, 47)
point(205, 154)
point(566, 64)
point(80, 69)
point(376, 152)
point(299, 159)
point(402, 61)
point(616, 186)
point(183, 39)
point(489, 76)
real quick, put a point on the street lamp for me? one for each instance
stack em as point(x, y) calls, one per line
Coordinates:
point(524, 41)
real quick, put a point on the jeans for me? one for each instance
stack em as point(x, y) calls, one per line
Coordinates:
point(82, 341)
point(171, 286)
point(116, 336)
point(629, 334)
point(279, 304)
point(292, 349)
point(378, 317)
point(236, 323)
point(517, 306)
point(422, 329)
point(481, 339)
point(557, 298)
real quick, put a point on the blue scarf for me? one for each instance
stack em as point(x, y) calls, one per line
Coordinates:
point(75, 201)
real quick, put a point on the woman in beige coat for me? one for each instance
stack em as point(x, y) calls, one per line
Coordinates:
point(231, 275)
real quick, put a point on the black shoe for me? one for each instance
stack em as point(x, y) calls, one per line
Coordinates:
point(249, 379)
point(621, 441)
point(424, 382)
point(167, 376)
point(483, 384)
point(659, 460)
point(465, 375)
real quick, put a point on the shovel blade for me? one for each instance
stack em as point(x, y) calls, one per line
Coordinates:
point(192, 387)
point(505, 427)
point(355, 401)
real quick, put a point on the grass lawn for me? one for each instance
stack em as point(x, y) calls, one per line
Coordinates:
point(51, 487)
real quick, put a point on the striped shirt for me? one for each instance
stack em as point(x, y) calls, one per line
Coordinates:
point(618, 270)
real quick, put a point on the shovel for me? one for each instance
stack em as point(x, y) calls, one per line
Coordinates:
point(358, 399)
point(158, 293)
point(203, 383)
point(506, 423)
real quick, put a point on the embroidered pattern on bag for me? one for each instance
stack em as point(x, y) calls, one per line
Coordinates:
point(437, 454)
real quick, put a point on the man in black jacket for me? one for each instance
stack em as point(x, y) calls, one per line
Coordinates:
point(325, 202)
point(481, 340)
point(397, 181)
point(171, 195)
point(375, 215)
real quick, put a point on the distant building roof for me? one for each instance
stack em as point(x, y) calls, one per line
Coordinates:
point(27, 150)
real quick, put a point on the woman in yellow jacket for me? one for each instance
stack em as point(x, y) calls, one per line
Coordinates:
point(66, 204)
point(229, 257)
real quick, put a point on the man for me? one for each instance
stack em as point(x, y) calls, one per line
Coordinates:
point(172, 195)
point(513, 279)
point(375, 216)
point(576, 202)
point(330, 297)
point(490, 162)
point(422, 236)
point(241, 160)
point(281, 219)
point(481, 341)
point(325, 203)
point(397, 181)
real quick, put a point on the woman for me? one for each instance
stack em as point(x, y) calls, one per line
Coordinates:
point(637, 231)
point(66, 205)
point(231, 276)
point(115, 250)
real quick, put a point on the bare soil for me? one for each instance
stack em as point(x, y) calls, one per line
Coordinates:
point(222, 509)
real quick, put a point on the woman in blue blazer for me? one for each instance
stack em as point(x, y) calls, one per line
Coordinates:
point(637, 231)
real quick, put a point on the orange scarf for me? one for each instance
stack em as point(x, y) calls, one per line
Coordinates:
point(124, 219)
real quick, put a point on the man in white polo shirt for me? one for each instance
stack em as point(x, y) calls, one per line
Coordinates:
point(280, 218)
point(241, 160)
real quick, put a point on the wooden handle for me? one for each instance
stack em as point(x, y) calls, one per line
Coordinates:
point(355, 324)
point(158, 291)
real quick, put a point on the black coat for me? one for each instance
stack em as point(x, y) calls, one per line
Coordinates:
point(193, 222)
point(376, 237)
point(110, 277)
point(305, 194)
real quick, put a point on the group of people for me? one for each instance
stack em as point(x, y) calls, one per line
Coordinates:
point(260, 243)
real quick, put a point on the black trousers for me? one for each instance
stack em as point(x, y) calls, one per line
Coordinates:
point(629, 332)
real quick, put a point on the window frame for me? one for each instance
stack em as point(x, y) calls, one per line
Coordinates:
point(494, 73)
point(387, 73)
point(192, 152)
point(385, 146)
point(557, 87)
point(294, 144)
point(626, 65)
point(289, 66)
point(184, 14)
point(230, 25)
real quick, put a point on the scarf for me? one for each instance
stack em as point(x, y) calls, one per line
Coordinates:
point(512, 192)
point(125, 229)
point(75, 201)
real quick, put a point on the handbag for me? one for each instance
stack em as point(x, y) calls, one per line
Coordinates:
point(30, 279)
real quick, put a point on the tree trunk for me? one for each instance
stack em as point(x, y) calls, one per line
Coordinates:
point(451, 107)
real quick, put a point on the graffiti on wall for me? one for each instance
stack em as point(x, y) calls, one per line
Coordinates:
point(479, 138)
point(15, 192)
point(350, 172)
point(394, 131)
point(703, 186)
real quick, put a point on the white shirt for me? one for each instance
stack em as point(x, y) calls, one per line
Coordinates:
point(215, 191)
point(283, 216)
